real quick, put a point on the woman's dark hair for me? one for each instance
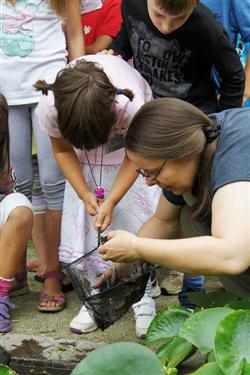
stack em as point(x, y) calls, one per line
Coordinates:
point(4, 134)
point(84, 99)
point(170, 128)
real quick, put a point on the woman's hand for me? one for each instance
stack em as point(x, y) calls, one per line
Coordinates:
point(120, 247)
point(91, 204)
point(104, 216)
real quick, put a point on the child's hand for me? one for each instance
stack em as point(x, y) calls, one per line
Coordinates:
point(91, 203)
point(109, 52)
point(104, 216)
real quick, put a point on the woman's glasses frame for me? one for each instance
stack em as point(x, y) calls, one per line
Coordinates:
point(146, 175)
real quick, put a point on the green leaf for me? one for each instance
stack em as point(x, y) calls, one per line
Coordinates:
point(171, 371)
point(232, 343)
point(200, 328)
point(211, 357)
point(120, 358)
point(208, 369)
point(5, 370)
point(166, 325)
point(246, 369)
point(214, 299)
point(174, 352)
point(243, 304)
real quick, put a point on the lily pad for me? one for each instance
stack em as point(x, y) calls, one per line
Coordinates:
point(166, 325)
point(232, 343)
point(208, 369)
point(120, 358)
point(5, 370)
point(200, 328)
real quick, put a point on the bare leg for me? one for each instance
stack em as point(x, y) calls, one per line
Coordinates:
point(40, 242)
point(53, 228)
point(14, 237)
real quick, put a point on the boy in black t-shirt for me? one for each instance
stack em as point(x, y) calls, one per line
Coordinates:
point(174, 44)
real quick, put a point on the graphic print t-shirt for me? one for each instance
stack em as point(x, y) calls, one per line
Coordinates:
point(179, 64)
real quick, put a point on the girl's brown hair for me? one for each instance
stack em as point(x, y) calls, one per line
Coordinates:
point(4, 134)
point(176, 6)
point(84, 99)
point(59, 6)
point(170, 128)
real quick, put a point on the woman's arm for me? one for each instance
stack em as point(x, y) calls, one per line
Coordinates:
point(68, 162)
point(226, 251)
point(73, 30)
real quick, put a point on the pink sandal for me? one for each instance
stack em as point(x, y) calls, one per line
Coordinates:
point(44, 297)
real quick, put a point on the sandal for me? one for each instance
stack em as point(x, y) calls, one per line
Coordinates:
point(20, 285)
point(32, 266)
point(44, 297)
point(65, 287)
point(5, 322)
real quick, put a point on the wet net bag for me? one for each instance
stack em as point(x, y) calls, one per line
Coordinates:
point(116, 295)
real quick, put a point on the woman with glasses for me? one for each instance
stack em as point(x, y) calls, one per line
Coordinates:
point(202, 165)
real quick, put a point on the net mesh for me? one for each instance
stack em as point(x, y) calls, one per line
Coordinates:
point(115, 296)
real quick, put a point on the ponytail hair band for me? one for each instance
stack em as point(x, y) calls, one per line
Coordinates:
point(212, 133)
point(119, 92)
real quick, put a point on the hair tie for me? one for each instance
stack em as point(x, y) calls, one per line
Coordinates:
point(49, 86)
point(119, 92)
point(211, 133)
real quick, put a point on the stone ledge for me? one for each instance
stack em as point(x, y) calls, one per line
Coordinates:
point(40, 355)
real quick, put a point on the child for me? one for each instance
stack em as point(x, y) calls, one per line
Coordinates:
point(174, 44)
point(101, 21)
point(15, 222)
point(235, 17)
point(34, 44)
point(86, 116)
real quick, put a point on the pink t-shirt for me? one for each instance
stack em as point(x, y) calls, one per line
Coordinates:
point(123, 76)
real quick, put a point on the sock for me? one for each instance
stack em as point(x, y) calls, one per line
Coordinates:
point(5, 285)
point(190, 284)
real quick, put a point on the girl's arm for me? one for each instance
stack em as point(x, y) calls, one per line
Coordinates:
point(73, 30)
point(68, 162)
point(226, 251)
point(101, 43)
point(124, 180)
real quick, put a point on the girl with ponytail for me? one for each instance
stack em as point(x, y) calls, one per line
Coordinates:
point(87, 111)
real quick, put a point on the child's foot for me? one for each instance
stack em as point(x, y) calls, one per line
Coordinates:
point(82, 322)
point(5, 322)
point(20, 285)
point(51, 299)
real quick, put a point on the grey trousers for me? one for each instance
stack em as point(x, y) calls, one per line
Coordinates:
point(22, 122)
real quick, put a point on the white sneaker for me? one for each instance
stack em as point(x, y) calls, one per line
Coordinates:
point(155, 290)
point(144, 312)
point(82, 323)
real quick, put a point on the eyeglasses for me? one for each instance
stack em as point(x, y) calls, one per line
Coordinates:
point(148, 175)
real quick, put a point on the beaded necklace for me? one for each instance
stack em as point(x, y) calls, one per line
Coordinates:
point(99, 190)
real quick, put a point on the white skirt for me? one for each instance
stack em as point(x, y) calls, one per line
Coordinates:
point(78, 235)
